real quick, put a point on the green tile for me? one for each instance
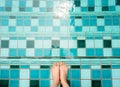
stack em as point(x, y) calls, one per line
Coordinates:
point(96, 83)
point(44, 67)
point(30, 44)
point(4, 83)
point(34, 83)
point(14, 66)
point(90, 8)
point(81, 44)
point(4, 44)
point(75, 66)
point(105, 8)
point(36, 3)
point(107, 44)
point(106, 66)
point(55, 44)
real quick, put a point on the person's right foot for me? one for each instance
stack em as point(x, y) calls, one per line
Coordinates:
point(63, 72)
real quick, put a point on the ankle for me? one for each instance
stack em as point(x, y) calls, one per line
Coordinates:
point(55, 84)
point(64, 84)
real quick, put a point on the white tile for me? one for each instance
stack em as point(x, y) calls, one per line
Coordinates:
point(89, 43)
point(81, 52)
point(4, 52)
point(24, 83)
point(12, 22)
point(111, 2)
point(98, 43)
point(24, 74)
point(4, 67)
point(30, 52)
point(78, 22)
point(13, 44)
point(107, 52)
point(42, 4)
point(63, 43)
point(116, 73)
point(85, 83)
point(85, 29)
point(95, 67)
point(85, 74)
point(115, 43)
point(72, 44)
point(84, 3)
point(56, 22)
point(15, 3)
point(34, 22)
point(29, 3)
point(47, 44)
point(116, 83)
point(100, 22)
point(55, 52)
point(38, 44)
point(98, 3)
point(21, 43)
point(34, 66)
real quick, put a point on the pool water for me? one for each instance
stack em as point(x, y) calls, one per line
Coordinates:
point(36, 33)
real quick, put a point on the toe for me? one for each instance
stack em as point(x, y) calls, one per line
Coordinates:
point(57, 63)
point(60, 63)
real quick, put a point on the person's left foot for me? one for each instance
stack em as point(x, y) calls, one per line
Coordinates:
point(63, 72)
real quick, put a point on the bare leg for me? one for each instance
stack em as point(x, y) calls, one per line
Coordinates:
point(55, 74)
point(63, 74)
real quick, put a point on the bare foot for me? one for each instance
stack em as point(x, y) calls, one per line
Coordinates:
point(55, 74)
point(63, 74)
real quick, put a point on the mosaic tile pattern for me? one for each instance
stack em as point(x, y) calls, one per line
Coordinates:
point(45, 24)
point(48, 5)
point(87, 38)
point(64, 47)
point(31, 75)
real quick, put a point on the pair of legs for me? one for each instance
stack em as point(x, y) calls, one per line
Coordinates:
point(59, 74)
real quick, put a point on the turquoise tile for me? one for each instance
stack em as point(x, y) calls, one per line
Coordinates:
point(73, 52)
point(64, 52)
point(90, 52)
point(99, 52)
point(4, 73)
point(21, 52)
point(91, 2)
point(75, 83)
point(24, 66)
point(44, 83)
point(13, 52)
point(116, 51)
point(45, 74)
point(34, 74)
point(38, 52)
point(14, 83)
point(107, 83)
point(96, 74)
point(106, 74)
point(14, 74)
point(85, 66)
point(75, 74)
